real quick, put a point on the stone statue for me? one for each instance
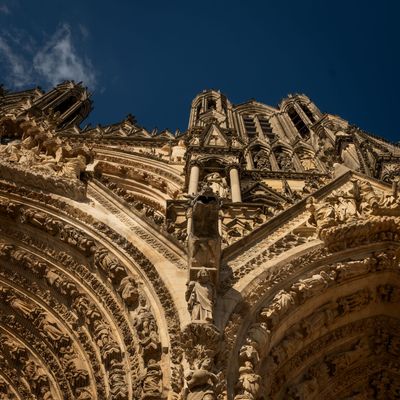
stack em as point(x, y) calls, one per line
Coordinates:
point(200, 382)
point(26, 309)
point(369, 201)
point(217, 184)
point(204, 242)
point(200, 296)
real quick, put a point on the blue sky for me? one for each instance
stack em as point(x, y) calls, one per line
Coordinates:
point(151, 58)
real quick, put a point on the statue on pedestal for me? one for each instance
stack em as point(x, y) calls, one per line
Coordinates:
point(200, 297)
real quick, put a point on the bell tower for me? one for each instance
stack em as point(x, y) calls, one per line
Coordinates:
point(211, 106)
point(68, 103)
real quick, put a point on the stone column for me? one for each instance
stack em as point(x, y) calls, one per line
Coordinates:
point(249, 161)
point(194, 180)
point(235, 185)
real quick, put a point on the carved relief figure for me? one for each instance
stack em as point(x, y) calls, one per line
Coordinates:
point(261, 160)
point(314, 284)
point(344, 208)
point(200, 297)
point(129, 291)
point(27, 310)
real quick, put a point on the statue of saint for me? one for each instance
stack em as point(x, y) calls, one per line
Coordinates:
point(200, 297)
point(217, 184)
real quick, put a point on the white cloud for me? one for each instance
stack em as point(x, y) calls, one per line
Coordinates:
point(59, 61)
point(24, 62)
point(4, 9)
point(18, 71)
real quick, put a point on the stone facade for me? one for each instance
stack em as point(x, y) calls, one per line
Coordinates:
point(255, 256)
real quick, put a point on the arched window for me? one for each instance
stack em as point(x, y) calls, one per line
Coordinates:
point(266, 127)
point(65, 105)
point(211, 104)
point(298, 122)
point(250, 126)
point(308, 112)
point(198, 111)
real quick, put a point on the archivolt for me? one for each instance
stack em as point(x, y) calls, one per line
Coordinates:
point(77, 316)
point(324, 320)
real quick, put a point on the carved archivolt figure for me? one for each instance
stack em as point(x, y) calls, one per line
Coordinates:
point(200, 382)
point(28, 310)
point(143, 313)
point(152, 381)
point(249, 382)
point(129, 291)
point(200, 297)
point(109, 264)
point(52, 331)
point(314, 284)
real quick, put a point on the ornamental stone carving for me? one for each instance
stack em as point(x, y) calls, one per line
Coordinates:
point(255, 255)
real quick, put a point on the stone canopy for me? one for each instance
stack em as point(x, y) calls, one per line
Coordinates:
point(254, 256)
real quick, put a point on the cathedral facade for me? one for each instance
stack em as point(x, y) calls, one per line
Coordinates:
point(255, 256)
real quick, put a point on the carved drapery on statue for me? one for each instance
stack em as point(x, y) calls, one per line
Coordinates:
point(200, 296)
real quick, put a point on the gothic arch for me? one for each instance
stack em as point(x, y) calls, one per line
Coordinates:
point(86, 309)
point(322, 301)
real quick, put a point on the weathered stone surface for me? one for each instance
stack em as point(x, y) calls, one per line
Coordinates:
point(255, 256)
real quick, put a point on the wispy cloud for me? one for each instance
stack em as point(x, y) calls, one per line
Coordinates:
point(17, 68)
point(59, 60)
point(25, 62)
